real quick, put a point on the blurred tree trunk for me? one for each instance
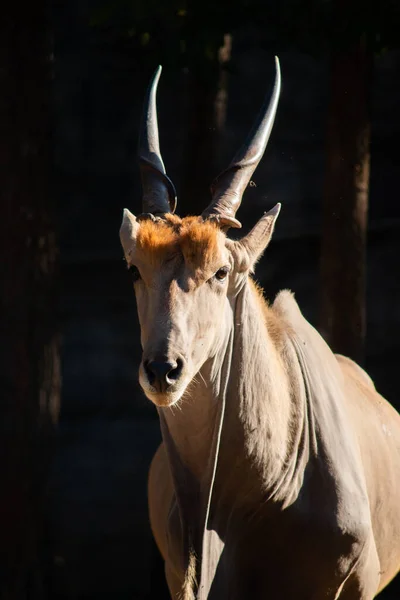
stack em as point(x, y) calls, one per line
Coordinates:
point(29, 362)
point(343, 254)
point(207, 100)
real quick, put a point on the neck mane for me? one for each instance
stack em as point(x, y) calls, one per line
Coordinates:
point(238, 441)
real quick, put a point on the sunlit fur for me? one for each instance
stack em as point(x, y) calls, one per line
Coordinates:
point(177, 260)
point(196, 239)
point(295, 453)
point(190, 582)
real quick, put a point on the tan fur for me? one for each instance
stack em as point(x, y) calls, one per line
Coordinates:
point(276, 329)
point(190, 582)
point(377, 550)
point(355, 371)
point(304, 431)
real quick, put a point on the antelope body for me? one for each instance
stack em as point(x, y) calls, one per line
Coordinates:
point(279, 472)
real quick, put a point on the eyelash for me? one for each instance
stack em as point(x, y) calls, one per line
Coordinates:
point(134, 271)
point(221, 274)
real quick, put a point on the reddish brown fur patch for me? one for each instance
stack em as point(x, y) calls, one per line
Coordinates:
point(197, 240)
point(272, 320)
point(199, 243)
point(158, 240)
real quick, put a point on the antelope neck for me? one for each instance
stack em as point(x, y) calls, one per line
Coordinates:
point(224, 460)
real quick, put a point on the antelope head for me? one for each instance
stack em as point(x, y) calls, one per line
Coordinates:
point(187, 272)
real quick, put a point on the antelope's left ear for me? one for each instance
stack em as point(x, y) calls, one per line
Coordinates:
point(249, 249)
point(128, 231)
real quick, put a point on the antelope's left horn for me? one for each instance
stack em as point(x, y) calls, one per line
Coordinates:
point(159, 195)
point(228, 188)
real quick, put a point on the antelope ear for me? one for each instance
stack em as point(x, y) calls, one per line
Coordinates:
point(128, 231)
point(249, 249)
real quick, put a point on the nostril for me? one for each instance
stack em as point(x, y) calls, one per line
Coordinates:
point(162, 373)
point(175, 372)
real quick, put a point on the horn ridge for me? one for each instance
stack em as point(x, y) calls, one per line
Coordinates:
point(159, 195)
point(228, 188)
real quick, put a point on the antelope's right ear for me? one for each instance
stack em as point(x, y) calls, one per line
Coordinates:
point(128, 231)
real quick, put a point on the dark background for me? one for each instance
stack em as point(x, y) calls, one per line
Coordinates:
point(97, 542)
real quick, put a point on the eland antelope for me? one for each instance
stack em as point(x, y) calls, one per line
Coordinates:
point(279, 472)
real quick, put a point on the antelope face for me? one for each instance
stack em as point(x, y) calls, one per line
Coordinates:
point(185, 269)
point(181, 270)
point(185, 273)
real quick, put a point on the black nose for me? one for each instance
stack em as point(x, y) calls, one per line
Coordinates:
point(162, 374)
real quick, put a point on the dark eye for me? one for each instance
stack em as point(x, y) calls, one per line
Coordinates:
point(222, 273)
point(134, 271)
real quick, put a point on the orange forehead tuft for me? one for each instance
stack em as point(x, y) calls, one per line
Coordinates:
point(195, 238)
point(199, 242)
point(156, 238)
